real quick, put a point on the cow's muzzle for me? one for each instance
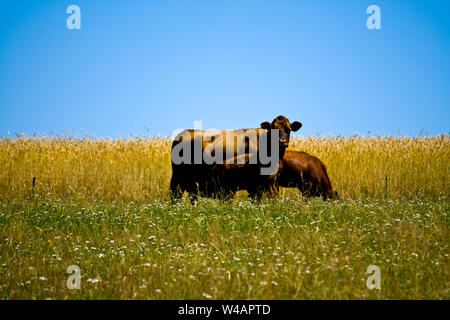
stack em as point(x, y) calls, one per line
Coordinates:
point(284, 143)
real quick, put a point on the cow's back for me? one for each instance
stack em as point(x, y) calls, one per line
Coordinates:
point(243, 142)
point(233, 171)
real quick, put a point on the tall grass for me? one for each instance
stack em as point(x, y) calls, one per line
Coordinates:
point(139, 168)
point(358, 166)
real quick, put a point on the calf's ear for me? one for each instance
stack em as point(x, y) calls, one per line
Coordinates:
point(296, 125)
point(265, 125)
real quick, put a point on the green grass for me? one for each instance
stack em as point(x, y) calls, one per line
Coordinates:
point(277, 249)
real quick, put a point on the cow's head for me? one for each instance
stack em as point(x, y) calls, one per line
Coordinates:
point(333, 195)
point(284, 127)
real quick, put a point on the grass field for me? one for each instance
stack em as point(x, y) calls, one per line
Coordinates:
point(103, 205)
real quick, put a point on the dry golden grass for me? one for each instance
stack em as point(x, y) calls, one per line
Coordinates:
point(358, 166)
point(139, 168)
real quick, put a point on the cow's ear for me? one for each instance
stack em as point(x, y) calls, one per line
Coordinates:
point(296, 125)
point(265, 125)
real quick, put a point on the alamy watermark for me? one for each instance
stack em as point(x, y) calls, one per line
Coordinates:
point(374, 280)
point(241, 146)
point(74, 20)
point(374, 20)
point(74, 281)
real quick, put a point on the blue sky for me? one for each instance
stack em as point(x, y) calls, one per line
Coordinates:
point(150, 67)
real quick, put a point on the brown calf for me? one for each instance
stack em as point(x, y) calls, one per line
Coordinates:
point(307, 173)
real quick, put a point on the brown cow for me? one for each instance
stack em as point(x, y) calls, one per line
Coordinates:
point(307, 173)
point(219, 163)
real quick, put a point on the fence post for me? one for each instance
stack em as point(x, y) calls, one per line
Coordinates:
point(385, 188)
point(34, 183)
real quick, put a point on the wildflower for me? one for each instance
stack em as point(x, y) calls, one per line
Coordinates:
point(95, 280)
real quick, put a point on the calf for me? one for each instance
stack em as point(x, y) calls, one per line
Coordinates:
point(307, 173)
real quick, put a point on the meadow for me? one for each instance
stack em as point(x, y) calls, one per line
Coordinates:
point(103, 205)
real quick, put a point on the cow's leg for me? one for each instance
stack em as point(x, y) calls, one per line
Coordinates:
point(252, 193)
point(225, 194)
point(193, 192)
point(175, 189)
point(255, 194)
point(305, 193)
point(307, 190)
point(272, 190)
point(193, 197)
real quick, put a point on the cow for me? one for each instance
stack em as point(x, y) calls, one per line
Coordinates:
point(219, 163)
point(305, 172)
